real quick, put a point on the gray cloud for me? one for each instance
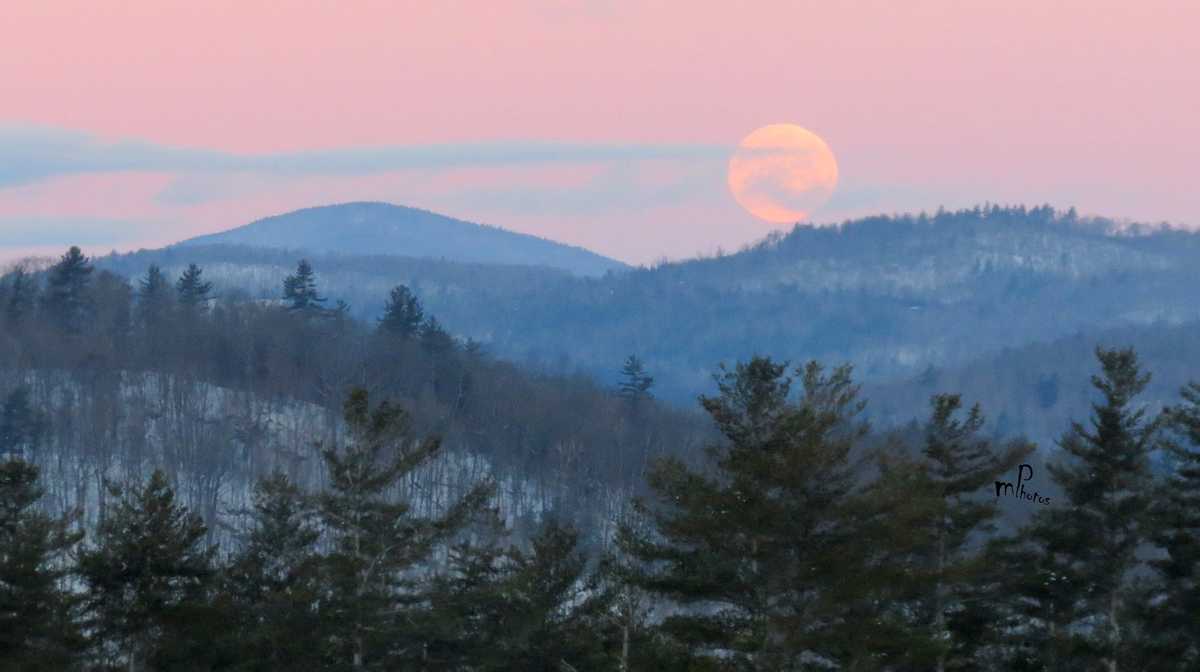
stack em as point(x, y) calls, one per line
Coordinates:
point(30, 154)
point(22, 232)
point(618, 189)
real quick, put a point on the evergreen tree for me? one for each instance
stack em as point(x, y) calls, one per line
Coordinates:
point(67, 301)
point(301, 290)
point(435, 340)
point(273, 584)
point(37, 629)
point(636, 644)
point(154, 299)
point(376, 537)
point(1173, 628)
point(635, 384)
point(511, 609)
point(557, 611)
point(759, 540)
point(191, 288)
point(959, 465)
point(20, 296)
point(21, 426)
point(148, 578)
point(1084, 553)
point(403, 314)
point(470, 603)
point(880, 592)
point(112, 298)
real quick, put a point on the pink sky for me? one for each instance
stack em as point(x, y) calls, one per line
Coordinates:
point(1092, 104)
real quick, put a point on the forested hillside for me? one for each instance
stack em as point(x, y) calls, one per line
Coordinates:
point(1034, 390)
point(159, 372)
point(899, 297)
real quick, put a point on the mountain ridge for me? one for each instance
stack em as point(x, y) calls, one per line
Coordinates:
point(377, 227)
point(890, 294)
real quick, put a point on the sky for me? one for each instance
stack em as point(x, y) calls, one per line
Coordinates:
point(593, 122)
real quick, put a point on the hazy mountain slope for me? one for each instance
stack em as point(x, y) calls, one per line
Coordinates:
point(1037, 389)
point(382, 228)
point(893, 295)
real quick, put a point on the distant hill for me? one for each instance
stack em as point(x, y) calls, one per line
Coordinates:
point(1037, 389)
point(892, 295)
point(895, 296)
point(386, 229)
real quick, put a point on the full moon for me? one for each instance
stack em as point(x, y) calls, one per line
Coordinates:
point(781, 173)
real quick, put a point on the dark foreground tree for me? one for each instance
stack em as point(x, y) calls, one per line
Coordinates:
point(960, 464)
point(557, 609)
point(148, 579)
point(273, 584)
point(751, 546)
point(469, 603)
point(371, 598)
point(1173, 609)
point(512, 609)
point(37, 626)
point(1072, 565)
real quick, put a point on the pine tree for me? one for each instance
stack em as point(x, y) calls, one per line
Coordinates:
point(470, 602)
point(1172, 624)
point(881, 589)
point(1083, 554)
point(761, 537)
point(154, 298)
point(403, 314)
point(20, 296)
point(435, 340)
point(635, 384)
point(301, 290)
point(377, 537)
point(960, 465)
point(148, 578)
point(514, 609)
point(635, 642)
point(37, 629)
point(273, 584)
point(191, 288)
point(67, 301)
point(22, 427)
point(557, 612)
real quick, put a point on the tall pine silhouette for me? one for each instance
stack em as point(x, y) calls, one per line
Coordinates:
point(66, 300)
point(1173, 625)
point(38, 630)
point(148, 578)
point(1072, 565)
point(749, 545)
point(377, 538)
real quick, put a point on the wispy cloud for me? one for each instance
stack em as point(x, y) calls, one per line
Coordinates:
point(30, 154)
point(27, 232)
